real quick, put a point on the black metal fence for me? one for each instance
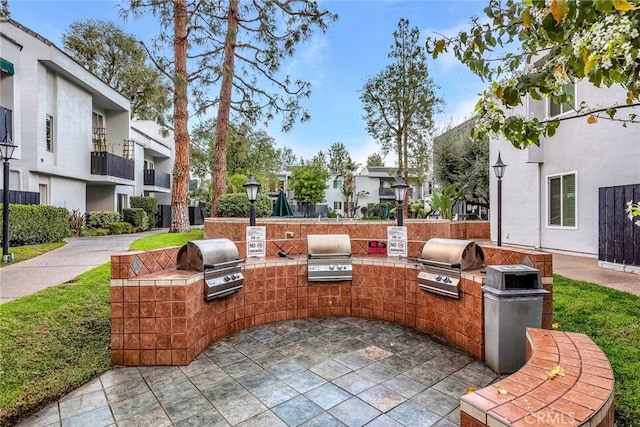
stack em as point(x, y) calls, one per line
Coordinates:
point(23, 197)
point(157, 178)
point(309, 211)
point(111, 165)
point(618, 237)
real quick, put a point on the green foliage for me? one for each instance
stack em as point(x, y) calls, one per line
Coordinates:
point(119, 59)
point(375, 159)
point(30, 224)
point(101, 219)
point(137, 217)
point(610, 318)
point(400, 101)
point(416, 207)
point(120, 227)
point(150, 206)
point(459, 157)
point(340, 162)
point(567, 41)
point(76, 222)
point(378, 210)
point(309, 183)
point(236, 205)
point(443, 200)
point(96, 232)
point(23, 253)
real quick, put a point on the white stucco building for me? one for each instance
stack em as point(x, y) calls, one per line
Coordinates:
point(550, 193)
point(76, 145)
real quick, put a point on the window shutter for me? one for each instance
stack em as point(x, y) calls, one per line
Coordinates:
point(569, 200)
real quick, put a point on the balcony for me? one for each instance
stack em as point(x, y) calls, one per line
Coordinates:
point(156, 178)
point(103, 163)
point(389, 193)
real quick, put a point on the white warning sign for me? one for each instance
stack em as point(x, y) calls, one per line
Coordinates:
point(256, 242)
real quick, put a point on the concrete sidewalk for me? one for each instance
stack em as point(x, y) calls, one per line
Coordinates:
point(587, 270)
point(62, 265)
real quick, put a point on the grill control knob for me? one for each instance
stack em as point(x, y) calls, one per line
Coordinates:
point(438, 278)
point(447, 280)
point(227, 278)
point(332, 267)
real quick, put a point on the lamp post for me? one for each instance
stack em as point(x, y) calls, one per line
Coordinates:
point(498, 169)
point(252, 187)
point(6, 152)
point(400, 189)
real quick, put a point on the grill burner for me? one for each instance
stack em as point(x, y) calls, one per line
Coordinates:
point(218, 259)
point(443, 260)
point(329, 258)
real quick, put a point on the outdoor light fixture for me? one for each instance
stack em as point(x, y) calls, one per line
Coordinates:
point(6, 151)
point(252, 187)
point(498, 169)
point(400, 188)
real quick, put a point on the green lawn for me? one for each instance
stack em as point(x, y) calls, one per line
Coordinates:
point(612, 320)
point(57, 339)
point(53, 341)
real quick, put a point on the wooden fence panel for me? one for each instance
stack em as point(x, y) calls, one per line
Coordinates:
point(618, 237)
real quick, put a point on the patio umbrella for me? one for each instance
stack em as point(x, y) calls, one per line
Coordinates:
point(282, 208)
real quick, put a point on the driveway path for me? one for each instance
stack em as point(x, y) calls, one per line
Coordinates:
point(62, 265)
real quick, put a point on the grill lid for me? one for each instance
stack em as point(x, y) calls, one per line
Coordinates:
point(328, 245)
point(453, 253)
point(204, 254)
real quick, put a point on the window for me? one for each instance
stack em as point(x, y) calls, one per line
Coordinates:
point(558, 109)
point(97, 120)
point(337, 183)
point(337, 205)
point(562, 200)
point(148, 165)
point(49, 133)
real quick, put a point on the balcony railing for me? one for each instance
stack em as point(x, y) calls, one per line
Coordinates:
point(157, 178)
point(389, 193)
point(111, 165)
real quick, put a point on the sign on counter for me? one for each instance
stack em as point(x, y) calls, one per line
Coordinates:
point(256, 241)
point(397, 241)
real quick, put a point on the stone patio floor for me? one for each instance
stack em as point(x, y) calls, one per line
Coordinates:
point(310, 372)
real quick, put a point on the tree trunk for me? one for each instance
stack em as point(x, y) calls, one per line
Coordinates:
point(179, 196)
point(224, 108)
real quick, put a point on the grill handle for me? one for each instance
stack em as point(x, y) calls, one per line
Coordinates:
point(223, 264)
point(439, 263)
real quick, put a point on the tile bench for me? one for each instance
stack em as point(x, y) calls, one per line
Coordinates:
point(580, 395)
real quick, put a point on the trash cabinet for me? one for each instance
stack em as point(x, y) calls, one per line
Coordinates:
point(512, 303)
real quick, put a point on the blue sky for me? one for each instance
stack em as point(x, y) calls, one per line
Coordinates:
point(337, 62)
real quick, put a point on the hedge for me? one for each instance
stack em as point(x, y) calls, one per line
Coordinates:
point(101, 219)
point(149, 205)
point(33, 224)
point(137, 217)
point(237, 205)
point(120, 228)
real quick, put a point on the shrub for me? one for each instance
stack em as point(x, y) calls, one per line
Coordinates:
point(120, 228)
point(237, 205)
point(76, 222)
point(102, 219)
point(149, 205)
point(33, 224)
point(96, 232)
point(137, 218)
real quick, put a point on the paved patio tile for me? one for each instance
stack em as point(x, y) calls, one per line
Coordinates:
point(70, 406)
point(381, 398)
point(96, 417)
point(404, 386)
point(240, 409)
point(187, 407)
point(210, 418)
point(297, 411)
point(411, 414)
point(137, 405)
point(354, 412)
point(274, 394)
point(330, 370)
point(436, 401)
point(323, 420)
point(354, 383)
point(304, 381)
point(327, 395)
point(156, 417)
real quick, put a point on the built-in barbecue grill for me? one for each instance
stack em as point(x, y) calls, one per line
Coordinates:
point(218, 259)
point(443, 260)
point(329, 257)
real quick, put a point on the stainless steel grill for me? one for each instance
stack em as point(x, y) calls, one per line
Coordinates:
point(443, 260)
point(329, 257)
point(218, 259)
